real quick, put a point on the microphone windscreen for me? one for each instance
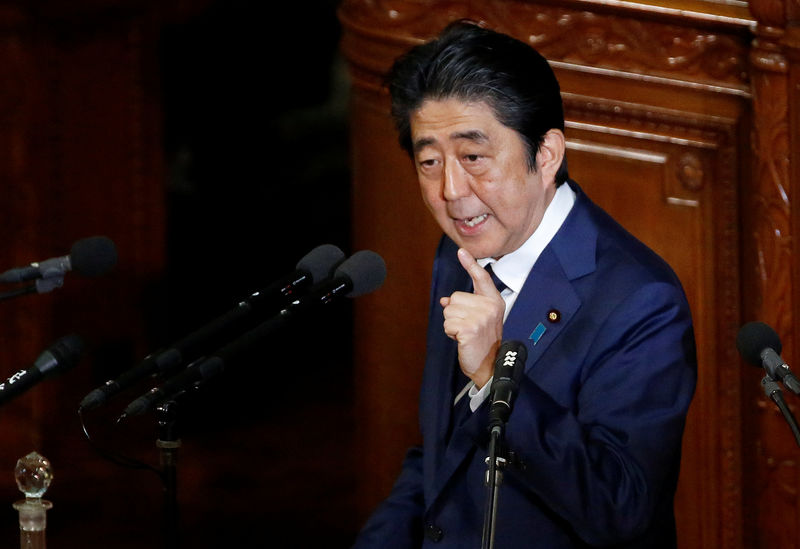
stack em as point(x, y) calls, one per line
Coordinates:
point(68, 349)
point(365, 269)
point(753, 338)
point(321, 261)
point(61, 355)
point(516, 347)
point(93, 256)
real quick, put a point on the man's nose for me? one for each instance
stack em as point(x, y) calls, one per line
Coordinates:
point(456, 182)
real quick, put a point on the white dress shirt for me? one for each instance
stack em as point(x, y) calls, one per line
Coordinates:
point(513, 268)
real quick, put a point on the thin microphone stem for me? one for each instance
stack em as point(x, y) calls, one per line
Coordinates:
point(494, 476)
point(773, 391)
point(31, 289)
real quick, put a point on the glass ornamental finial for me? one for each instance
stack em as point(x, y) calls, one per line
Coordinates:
point(34, 475)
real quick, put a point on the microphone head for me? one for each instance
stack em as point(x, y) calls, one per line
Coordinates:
point(320, 261)
point(514, 353)
point(61, 355)
point(68, 349)
point(753, 338)
point(93, 256)
point(365, 269)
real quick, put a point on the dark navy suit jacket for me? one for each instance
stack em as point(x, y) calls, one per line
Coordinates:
point(595, 432)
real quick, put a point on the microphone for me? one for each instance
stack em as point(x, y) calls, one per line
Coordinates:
point(360, 274)
point(93, 256)
point(315, 266)
point(760, 345)
point(508, 369)
point(59, 357)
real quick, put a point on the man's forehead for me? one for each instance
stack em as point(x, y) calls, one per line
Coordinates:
point(451, 120)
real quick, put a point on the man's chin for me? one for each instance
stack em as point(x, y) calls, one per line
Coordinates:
point(479, 250)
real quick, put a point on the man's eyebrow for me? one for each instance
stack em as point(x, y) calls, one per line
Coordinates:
point(423, 142)
point(470, 135)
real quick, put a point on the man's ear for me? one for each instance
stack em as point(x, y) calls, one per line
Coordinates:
point(551, 154)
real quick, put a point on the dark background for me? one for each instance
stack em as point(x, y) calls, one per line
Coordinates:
point(255, 147)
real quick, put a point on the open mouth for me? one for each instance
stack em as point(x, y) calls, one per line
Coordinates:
point(472, 221)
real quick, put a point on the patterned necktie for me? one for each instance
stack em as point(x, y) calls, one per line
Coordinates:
point(499, 284)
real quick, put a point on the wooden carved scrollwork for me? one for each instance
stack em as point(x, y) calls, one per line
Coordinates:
point(638, 46)
point(772, 196)
point(690, 172)
point(771, 238)
point(579, 37)
point(769, 13)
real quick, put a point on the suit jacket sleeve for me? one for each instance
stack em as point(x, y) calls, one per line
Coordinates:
point(397, 522)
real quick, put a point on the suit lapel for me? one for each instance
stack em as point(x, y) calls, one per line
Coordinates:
point(543, 309)
point(550, 298)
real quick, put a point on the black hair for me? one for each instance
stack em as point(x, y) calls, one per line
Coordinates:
point(471, 63)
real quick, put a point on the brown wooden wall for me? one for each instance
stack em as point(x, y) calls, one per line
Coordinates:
point(683, 121)
point(80, 155)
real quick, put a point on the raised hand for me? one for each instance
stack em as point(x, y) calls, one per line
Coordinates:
point(475, 321)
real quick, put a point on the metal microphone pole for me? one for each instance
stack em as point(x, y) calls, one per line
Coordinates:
point(41, 286)
point(494, 477)
point(18, 292)
point(168, 444)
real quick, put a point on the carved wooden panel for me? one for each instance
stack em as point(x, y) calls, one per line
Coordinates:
point(675, 187)
point(770, 258)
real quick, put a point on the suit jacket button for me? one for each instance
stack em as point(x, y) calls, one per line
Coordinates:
point(433, 532)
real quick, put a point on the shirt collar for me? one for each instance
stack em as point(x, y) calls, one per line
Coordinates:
point(513, 268)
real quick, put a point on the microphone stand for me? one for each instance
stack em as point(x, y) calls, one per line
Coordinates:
point(18, 292)
point(168, 444)
point(41, 286)
point(494, 477)
point(773, 391)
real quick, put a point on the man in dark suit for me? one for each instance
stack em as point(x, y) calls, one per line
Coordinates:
point(595, 434)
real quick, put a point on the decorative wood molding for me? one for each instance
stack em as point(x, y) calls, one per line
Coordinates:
point(661, 124)
point(567, 35)
point(639, 46)
point(771, 13)
point(727, 240)
point(773, 252)
point(690, 172)
point(767, 53)
point(772, 190)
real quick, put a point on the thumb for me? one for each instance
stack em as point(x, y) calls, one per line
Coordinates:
point(481, 281)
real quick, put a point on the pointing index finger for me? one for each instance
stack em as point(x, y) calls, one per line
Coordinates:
point(481, 281)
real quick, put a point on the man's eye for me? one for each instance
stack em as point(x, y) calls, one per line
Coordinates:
point(472, 157)
point(427, 163)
